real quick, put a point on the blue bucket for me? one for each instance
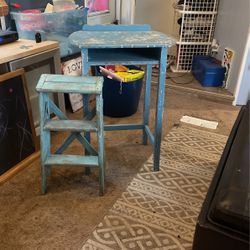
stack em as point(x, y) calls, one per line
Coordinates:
point(121, 99)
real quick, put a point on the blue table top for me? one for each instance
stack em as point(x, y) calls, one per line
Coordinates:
point(120, 39)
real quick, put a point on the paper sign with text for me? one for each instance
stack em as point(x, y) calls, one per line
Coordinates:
point(74, 68)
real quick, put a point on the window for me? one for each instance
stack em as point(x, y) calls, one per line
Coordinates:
point(97, 6)
point(100, 11)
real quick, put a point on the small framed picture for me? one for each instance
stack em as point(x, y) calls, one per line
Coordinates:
point(227, 62)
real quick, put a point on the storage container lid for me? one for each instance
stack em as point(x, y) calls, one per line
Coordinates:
point(211, 66)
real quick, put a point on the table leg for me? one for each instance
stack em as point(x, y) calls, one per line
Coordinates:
point(146, 111)
point(160, 108)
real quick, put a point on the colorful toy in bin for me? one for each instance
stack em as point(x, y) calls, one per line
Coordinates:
point(130, 75)
point(121, 73)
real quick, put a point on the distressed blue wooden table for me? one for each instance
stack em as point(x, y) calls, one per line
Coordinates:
point(129, 45)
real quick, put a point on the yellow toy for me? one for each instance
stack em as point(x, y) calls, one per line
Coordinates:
point(130, 75)
point(122, 73)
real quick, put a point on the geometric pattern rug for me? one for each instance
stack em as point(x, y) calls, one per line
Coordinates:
point(159, 210)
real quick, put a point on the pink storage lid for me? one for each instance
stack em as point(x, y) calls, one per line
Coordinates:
point(32, 11)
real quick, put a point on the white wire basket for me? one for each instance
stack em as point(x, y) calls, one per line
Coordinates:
point(200, 5)
point(197, 28)
point(185, 53)
point(196, 20)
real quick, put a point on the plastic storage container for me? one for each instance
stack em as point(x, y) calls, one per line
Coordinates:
point(207, 71)
point(63, 5)
point(120, 99)
point(52, 26)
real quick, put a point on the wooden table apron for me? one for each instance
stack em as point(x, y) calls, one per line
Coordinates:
point(130, 47)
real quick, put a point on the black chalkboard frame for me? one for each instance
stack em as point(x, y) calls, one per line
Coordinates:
point(35, 153)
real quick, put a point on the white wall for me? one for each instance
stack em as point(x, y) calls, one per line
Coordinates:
point(158, 13)
point(243, 87)
point(232, 31)
point(127, 11)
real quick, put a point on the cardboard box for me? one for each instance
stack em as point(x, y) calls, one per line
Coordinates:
point(4, 9)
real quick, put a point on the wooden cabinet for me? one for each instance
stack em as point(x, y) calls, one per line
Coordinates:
point(36, 59)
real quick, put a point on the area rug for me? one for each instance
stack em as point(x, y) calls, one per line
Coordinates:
point(159, 210)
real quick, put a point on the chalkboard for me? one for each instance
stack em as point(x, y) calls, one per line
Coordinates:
point(17, 134)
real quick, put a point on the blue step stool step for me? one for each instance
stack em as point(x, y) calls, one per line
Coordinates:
point(207, 71)
point(75, 160)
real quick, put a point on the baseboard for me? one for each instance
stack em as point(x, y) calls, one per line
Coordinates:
point(19, 167)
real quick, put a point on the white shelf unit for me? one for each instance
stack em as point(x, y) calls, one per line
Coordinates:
point(197, 25)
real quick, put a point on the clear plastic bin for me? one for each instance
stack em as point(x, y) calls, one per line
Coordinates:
point(62, 5)
point(52, 26)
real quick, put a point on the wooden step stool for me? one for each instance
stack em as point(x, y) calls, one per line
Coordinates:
point(70, 84)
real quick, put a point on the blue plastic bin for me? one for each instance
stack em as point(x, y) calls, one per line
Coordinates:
point(120, 99)
point(207, 71)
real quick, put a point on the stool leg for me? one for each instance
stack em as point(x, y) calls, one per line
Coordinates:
point(100, 134)
point(147, 103)
point(45, 137)
point(44, 179)
point(85, 71)
point(86, 111)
